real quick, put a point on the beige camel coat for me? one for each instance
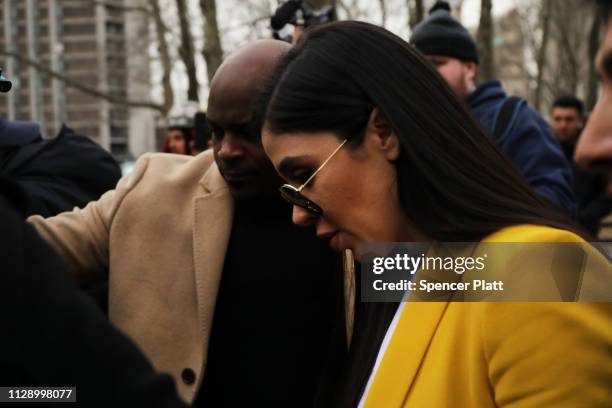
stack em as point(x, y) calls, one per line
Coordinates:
point(162, 235)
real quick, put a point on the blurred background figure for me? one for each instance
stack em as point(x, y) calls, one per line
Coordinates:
point(56, 174)
point(188, 131)
point(594, 148)
point(567, 122)
point(520, 131)
point(300, 15)
point(179, 140)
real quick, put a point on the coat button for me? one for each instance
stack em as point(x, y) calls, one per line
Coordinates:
point(188, 376)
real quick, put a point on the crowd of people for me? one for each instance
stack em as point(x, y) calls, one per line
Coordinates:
point(224, 291)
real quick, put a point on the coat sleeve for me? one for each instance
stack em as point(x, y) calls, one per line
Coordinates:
point(549, 354)
point(81, 237)
point(55, 335)
point(532, 147)
point(62, 173)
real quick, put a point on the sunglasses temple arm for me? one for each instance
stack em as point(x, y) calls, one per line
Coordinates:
point(321, 166)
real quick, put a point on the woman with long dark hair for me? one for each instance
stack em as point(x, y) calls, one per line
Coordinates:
point(377, 148)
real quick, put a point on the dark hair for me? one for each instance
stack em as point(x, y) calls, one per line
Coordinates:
point(187, 137)
point(454, 182)
point(569, 101)
point(604, 9)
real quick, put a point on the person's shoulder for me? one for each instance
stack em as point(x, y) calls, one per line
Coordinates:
point(176, 168)
point(180, 162)
point(532, 233)
point(16, 133)
point(526, 111)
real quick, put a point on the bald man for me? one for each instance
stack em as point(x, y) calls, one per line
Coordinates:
point(207, 274)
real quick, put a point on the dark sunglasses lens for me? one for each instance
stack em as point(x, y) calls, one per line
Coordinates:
point(289, 194)
point(294, 197)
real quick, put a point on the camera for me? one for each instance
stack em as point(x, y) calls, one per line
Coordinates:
point(297, 13)
point(5, 83)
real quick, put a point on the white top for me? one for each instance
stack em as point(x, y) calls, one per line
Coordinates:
point(383, 348)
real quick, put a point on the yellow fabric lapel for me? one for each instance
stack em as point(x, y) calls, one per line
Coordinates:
point(402, 359)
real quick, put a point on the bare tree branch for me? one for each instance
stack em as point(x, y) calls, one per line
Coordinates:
point(120, 7)
point(345, 8)
point(250, 23)
point(213, 53)
point(416, 12)
point(570, 53)
point(79, 86)
point(545, 21)
point(164, 54)
point(591, 84)
point(383, 12)
point(187, 51)
point(484, 39)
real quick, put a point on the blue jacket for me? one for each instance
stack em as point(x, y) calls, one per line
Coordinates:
point(530, 144)
point(58, 174)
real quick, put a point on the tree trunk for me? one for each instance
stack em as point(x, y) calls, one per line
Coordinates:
point(213, 53)
point(592, 82)
point(484, 40)
point(187, 50)
point(569, 51)
point(383, 12)
point(545, 23)
point(416, 12)
point(164, 55)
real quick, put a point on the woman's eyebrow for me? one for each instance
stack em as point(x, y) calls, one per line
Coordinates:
point(289, 164)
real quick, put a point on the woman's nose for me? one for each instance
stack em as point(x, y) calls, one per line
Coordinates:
point(594, 149)
point(302, 216)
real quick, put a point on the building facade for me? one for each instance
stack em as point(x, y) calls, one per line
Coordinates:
point(91, 44)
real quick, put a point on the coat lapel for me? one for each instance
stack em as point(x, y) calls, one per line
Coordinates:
point(211, 232)
point(402, 359)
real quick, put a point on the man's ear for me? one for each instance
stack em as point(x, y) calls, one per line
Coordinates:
point(383, 135)
point(472, 70)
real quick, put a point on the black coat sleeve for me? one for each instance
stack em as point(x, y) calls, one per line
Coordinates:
point(53, 335)
point(62, 173)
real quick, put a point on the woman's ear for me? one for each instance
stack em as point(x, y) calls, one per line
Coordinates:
point(383, 135)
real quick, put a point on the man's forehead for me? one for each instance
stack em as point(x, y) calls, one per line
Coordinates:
point(564, 110)
point(236, 85)
point(232, 103)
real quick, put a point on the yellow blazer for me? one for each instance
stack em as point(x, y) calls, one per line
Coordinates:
point(514, 355)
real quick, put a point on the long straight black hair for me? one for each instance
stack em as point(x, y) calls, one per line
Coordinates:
point(454, 182)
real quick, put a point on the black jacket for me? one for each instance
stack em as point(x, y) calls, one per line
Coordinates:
point(58, 174)
point(53, 335)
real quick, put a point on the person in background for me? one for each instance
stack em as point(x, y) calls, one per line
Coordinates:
point(190, 138)
point(567, 121)
point(179, 140)
point(520, 131)
point(374, 148)
point(56, 174)
point(207, 274)
point(594, 149)
point(54, 336)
